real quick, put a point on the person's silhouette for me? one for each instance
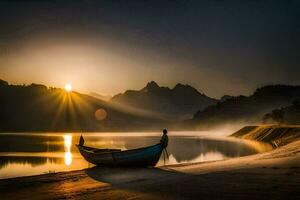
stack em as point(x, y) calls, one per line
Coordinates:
point(164, 139)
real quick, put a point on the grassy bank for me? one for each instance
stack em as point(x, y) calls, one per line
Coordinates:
point(277, 135)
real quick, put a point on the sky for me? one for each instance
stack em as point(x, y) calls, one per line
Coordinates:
point(218, 47)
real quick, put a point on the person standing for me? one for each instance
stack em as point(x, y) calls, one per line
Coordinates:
point(164, 139)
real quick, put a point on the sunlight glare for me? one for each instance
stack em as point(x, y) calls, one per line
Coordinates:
point(68, 87)
point(67, 144)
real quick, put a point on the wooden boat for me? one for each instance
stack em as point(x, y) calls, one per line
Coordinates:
point(142, 157)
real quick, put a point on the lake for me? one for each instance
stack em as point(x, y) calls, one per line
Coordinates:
point(24, 154)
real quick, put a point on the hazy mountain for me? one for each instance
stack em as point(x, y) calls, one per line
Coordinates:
point(179, 102)
point(286, 115)
point(100, 96)
point(249, 109)
point(39, 108)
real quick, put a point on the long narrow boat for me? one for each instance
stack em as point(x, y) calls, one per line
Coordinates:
point(142, 157)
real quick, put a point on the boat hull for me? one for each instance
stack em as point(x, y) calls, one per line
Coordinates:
point(143, 157)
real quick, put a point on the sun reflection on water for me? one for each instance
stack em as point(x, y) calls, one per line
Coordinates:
point(68, 154)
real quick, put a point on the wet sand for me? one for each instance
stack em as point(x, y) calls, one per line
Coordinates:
point(270, 175)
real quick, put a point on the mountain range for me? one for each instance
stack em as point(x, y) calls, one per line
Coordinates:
point(100, 96)
point(285, 115)
point(177, 103)
point(246, 109)
point(37, 107)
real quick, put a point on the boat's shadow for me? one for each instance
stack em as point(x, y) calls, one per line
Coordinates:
point(153, 180)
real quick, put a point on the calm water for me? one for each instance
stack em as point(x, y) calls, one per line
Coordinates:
point(30, 154)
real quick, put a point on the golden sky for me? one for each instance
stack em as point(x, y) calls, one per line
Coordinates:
point(111, 46)
point(98, 65)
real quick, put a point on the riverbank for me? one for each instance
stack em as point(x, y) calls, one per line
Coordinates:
point(269, 175)
point(277, 135)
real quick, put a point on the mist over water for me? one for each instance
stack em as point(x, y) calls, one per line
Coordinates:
point(31, 153)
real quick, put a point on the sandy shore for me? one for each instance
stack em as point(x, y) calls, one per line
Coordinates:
point(270, 175)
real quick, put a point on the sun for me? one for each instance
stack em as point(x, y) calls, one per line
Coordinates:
point(68, 87)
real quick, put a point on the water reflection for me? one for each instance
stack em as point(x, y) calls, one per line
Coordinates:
point(185, 149)
point(68, 144)
point(210, 156)
point(37, 153)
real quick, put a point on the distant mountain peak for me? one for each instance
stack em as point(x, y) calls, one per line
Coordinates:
point(179, 85)
point(152, 85)
point(186, 86)
point(177, 103)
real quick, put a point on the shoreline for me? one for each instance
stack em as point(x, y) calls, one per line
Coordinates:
point(276, 135)
point(274, 174)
